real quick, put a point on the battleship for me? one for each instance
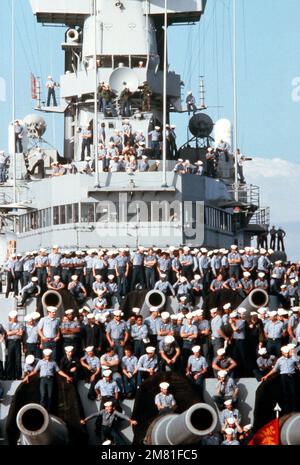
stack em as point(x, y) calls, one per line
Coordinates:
point(122, 43)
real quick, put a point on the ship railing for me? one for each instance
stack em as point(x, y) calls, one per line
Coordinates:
point(261, 217)
point(246, 193)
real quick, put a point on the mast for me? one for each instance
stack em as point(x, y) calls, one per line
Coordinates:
point(164, 151)
point(95, 131)
point(13, 82)
point(235, 110)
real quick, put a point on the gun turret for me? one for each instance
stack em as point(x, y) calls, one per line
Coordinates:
point(153, 298)
point(256, 299)
point(54, 299)
point(186, 428)
point(37, 427)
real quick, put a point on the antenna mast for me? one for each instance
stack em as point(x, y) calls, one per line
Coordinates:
point(235, 130)
point(164, 151)
point(95, 131)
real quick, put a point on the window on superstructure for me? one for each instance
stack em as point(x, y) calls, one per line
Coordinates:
point(62, 214)
point(87, 212)
point(69, 213)
point(55, 215)
point(75, 213)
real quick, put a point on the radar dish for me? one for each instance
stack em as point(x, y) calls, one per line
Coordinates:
point(121, 77)
point(201, 125)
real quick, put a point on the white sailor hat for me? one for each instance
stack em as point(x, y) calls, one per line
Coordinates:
point(293, 281)
point(117, 312)
point(163, 275)
point(230, 421)
point(182, 279)
point(69, 311)
point(36, 315)
point(183, 298)
point(51, 309)
point(262, 351)
point(108, 404)
point(189, 315)
point(227, 306)
point(242, 311)
point(273, 313)
point(246, 274)
point(233, 314)
point(29, 359)
point(262, 251)
point(186, 248)
point(222, 373)
point(253, 313)
point(90, 316)
point(291, 346)
point(261, 275)
point(157, 128)
point(203, 250)
point(242, 251)
point(150, 350)
point(74, 277)
point(285, 349)
point(89, 349)
point(282, 312)
point(180, 316)
point(221, 351)
point(283, 286)
point(173, 317)
point(196, 349)
point(197, 276)
point(165, 315)
point(153, 309)
point(228, 402)
point(136, 310)
point(47, 352)
point(229, 431)
point(262, 310)
point(296, 309)
point(234, 246)
point(28, 317)
point(199, 162)
point(169, 339)
point(13, 314)
point(214, 310)
point(164, 385)
point(173, 126)
point(270, 251)
point(69, 348)
point(107, 373)
point(278, 262)
point(198, 312)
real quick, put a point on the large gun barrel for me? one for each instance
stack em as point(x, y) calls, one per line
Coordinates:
point(153, 298)
point(290, 430)
point(256, 299)
point(185, 428)
point(37, 427)
point(54, 299)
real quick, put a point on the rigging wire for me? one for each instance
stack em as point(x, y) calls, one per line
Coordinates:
point(27, 60)
point(28, 41)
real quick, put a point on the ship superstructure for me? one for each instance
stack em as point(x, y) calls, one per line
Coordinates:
point(121, 43)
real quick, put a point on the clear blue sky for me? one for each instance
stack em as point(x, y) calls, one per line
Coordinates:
point(268, 60)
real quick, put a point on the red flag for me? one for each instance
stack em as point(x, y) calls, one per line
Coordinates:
point(267, 436)
point(33, 87)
